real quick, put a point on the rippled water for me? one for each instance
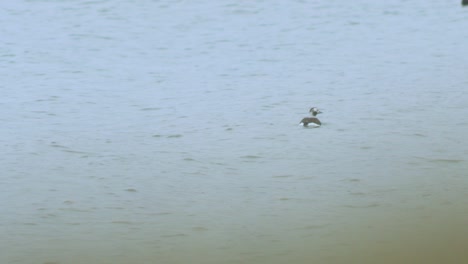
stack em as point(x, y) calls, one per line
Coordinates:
point(167, 132)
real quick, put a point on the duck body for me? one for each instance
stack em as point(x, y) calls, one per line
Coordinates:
point(313, 120)
point(310, 120)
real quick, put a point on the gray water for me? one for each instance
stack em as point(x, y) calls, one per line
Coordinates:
point(167, 131)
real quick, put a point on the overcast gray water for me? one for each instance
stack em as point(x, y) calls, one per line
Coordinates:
point(167, 132)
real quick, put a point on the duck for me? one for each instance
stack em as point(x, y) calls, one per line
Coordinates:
point(314, 120)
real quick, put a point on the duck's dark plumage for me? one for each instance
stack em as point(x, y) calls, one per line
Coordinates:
point(306, 120)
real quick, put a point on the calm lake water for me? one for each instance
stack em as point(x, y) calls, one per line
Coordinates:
point(167, 132)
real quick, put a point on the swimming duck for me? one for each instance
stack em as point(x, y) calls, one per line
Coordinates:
point(316, 122)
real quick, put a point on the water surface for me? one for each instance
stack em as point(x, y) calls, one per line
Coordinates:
point(167, 132)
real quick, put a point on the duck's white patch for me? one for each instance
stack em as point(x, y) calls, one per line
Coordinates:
point(311, 125)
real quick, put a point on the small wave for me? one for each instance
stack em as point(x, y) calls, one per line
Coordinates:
point(55, 145)
point(122, 222)
point(282, 176)
point(251, 157)
point(315, 226)
point(74, 151)
point(363, 206)
point(358, 193)
point(446, 160)
point(175, 235)
point(68, 150)
point(199, 228)
point(174, 136)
